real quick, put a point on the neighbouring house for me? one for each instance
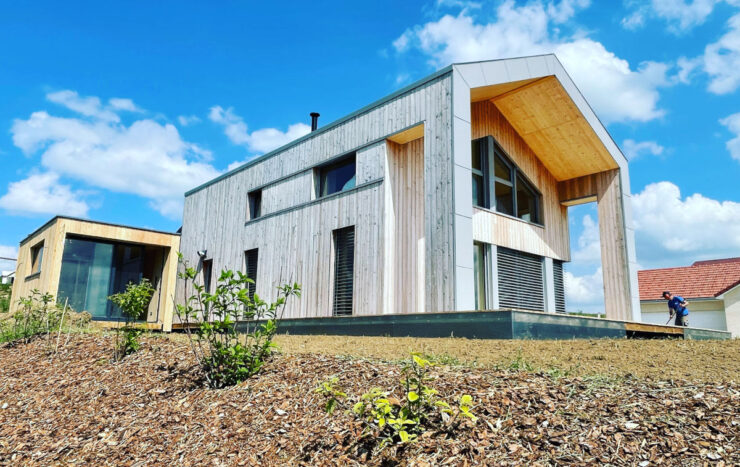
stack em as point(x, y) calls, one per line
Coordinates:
point(712, 288)
point(7, 277)
point(83, 262)
point(450, 194)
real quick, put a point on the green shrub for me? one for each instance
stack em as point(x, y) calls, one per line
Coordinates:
point(226, 354)
point(133, 303)
point(5, 290)
point(389, 420)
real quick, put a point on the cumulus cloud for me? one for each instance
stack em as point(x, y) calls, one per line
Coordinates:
point(146, 158)
point(261, 141)
point(721, 59)
point(680, 15)
point(633, 149)
point(118, 103)
point(42, 193)
point(617, 90)
point(673, 230)
point(733, 124)
point(589, 245)
point(187, 120)
point(584, 292)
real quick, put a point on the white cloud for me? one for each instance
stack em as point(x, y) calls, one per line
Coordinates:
point(118, 103)
point(671, 230)
point(589, 245)
point(43, 194)
point(681, 15)
point(721, 59)
point(187, 120)
point(584, 292)
point(147, 158)
point(634, 149)
point(565, 9)
point(733, 124)
point(617, 91)
point(263, 140)
point(88, 106)
point(7, 251)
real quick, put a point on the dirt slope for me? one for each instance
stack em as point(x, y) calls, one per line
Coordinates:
point(79, 408)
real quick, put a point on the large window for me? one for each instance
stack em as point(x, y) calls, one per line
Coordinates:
point(37, 256)
point(336, 177)
point(344, 270)
point(92, 271)
point(498, 184)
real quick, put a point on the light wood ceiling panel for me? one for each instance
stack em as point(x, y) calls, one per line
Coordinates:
point(547, 119)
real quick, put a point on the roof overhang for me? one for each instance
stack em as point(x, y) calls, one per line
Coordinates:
point(542, 103)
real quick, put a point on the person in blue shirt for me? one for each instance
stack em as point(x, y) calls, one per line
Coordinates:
point(677, 306)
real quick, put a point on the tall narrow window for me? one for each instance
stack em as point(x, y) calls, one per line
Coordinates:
point(499, 184)
point(479, 273)
point(250, 258)
point(479, 166)
point(338, 176)
point(207, 271)
point(255, 204)
point(557, 269)
point(344, 268)
point(37, 256)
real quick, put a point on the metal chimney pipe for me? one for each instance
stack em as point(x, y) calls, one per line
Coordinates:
point(314, 120)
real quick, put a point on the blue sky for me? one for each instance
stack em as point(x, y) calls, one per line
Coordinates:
point(111, 111)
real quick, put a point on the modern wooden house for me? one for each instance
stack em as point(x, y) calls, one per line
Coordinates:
point(450, 194)
point(83, 262)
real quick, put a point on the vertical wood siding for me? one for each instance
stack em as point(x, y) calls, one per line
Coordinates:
point(295, 244)
point(552, 240)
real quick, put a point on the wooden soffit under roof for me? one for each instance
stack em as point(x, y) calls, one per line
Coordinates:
point(550, 123)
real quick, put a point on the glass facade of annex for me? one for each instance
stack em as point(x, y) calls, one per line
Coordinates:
point(92, 270)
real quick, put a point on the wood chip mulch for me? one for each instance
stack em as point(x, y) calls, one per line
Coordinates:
point(77, 407)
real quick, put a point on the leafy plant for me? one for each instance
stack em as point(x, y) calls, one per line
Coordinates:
point(234, 331)
point(133, 303)
point(5, 290)
point(399, 421)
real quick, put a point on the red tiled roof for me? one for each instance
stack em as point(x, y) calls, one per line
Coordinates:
point(703, 279)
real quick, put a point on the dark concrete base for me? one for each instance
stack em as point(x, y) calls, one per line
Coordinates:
point(504, 324)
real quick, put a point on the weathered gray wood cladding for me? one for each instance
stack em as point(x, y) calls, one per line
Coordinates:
point(294, 235)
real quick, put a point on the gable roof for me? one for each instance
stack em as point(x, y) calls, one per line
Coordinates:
point(703, 279)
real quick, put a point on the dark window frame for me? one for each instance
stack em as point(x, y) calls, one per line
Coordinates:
point(489, 152)
point(251, 256)
point(343, 305)
point(323, 170)
point(254, 204)
point(207, 279)
point(37, 258)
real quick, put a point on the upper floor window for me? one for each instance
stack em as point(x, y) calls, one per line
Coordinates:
point(499, 184)
point(37, 256)
point(255, 204)
point(338, 176)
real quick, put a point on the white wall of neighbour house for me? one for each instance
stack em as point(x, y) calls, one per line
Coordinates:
point(294, 234)
point(732, 310)
point(704, 314)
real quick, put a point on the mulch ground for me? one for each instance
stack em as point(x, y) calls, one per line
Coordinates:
point(79, 408)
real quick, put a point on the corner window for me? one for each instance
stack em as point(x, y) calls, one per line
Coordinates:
point(255, 204)
point(336, 177)
point(207, 271)
point(37, 256)
point(479, 274)
point(498, 184)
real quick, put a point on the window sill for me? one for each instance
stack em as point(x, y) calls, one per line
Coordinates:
point(507, 216)
point(35, 275)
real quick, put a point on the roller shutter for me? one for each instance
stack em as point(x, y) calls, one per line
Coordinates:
point(250, 257)
point(520, 280)
point(344, 265)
